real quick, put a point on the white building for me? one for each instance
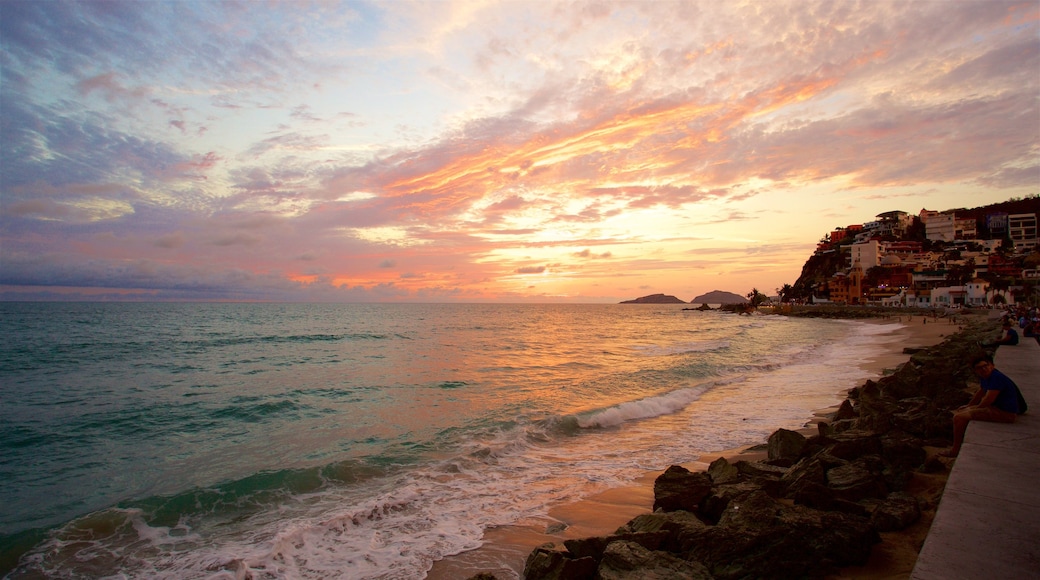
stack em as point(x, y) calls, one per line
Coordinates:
point(866, 255)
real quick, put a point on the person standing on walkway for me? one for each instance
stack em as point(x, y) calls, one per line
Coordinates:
point(997, 400)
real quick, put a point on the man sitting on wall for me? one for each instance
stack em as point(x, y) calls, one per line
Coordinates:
point(1008, 336)
point(998, 399)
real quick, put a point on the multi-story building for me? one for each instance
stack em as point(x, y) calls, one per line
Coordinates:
point(997, 224)
point(1022, 230)
point(965, 229)
point(866, 255)
point(940, 227)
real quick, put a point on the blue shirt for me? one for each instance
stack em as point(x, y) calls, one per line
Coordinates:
point(1007, 397)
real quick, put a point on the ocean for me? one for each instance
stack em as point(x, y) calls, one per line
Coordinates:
point(366, 440)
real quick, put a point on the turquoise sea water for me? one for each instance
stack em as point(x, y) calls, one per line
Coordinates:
point(365, 441)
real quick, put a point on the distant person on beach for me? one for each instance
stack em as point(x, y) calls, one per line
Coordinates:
point(997, 400)
point(1008, 336)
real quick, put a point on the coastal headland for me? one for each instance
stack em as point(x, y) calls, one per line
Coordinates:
point(910, 490)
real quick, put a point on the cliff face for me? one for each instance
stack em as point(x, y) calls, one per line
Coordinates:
point(655, 299)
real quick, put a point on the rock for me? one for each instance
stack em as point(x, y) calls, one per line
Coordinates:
point(821, 497)
point(671, 522)
point(759, 471)
point(845, 411)
point(721, 471)
point(713, 506)
point(762, 538)
point(631, 561)
point(680, 489)
point(851, 445)
point(546, 563)
point(856, 481)
point(555, 528)
point(594, 547)
point(786, 444)
point(903, 450)
point(654, 299)
point(897, 512)
point(483, 576)
point(808, 471)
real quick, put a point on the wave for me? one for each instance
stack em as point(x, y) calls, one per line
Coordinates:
point(647, 408)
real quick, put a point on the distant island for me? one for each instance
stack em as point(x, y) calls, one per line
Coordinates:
point(713, 297)
point(719, 297)
point(655, 299)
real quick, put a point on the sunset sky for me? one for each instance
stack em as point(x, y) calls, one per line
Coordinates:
point(490, 151)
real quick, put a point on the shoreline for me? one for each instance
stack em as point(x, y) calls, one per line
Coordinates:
point(506, 548)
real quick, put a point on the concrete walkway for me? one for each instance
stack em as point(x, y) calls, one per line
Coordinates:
point(988, 521)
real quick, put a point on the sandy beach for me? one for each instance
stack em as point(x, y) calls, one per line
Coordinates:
point(506, 548)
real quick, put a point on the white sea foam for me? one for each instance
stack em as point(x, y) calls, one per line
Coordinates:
point(644, 408)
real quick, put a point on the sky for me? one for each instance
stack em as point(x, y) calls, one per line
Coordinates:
point(518, 151)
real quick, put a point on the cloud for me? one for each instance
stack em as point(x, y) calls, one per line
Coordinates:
point(311, 149)
point(587, 254)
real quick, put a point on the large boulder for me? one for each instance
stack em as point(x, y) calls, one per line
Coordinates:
point(721, 471)
point(786, 444)
point(595, 547)
point(856, 481)
point(631, 561)
point(547, 563)
point(680, 489)
point(897, 512)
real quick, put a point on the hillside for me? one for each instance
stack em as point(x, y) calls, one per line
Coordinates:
point(822, 265)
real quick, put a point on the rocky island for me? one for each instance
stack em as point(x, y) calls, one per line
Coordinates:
point(719, 297)
point(655, 299)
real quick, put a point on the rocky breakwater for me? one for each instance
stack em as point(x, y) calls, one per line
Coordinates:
point(816, 504)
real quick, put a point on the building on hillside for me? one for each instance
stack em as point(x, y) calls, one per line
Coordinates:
point(965, 229)
point(888, 224)
point(846, 288)
point(1004, 267)
point(927, 214)
point(1022, 230)
point(929, 279)
point(866, 255)
point(940, 227)
point(997, 224)
point(902, 248)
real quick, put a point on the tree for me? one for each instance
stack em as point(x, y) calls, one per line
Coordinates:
point(961, 274)
point(756, 298)
point(786, 293)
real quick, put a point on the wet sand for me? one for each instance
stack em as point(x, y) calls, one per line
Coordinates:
point(506, 548)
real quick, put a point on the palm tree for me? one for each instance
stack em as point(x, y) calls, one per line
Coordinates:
point(756, 297)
